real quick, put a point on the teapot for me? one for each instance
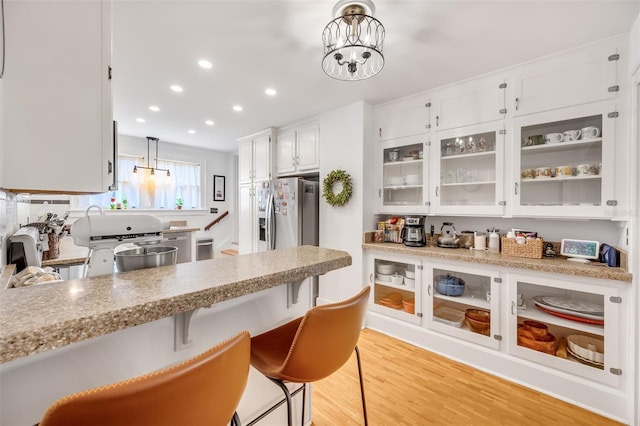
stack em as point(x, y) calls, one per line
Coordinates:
point(448, 239)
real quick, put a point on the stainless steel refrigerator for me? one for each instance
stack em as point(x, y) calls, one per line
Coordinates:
point(288, 217)
point(287, 213)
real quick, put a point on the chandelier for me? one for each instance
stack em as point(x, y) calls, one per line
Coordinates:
point(155, 160)
point(353, 42)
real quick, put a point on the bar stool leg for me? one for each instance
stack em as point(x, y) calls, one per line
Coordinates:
point(364, 405)
point(288, 397)
point(304, 394)
point(235, 420)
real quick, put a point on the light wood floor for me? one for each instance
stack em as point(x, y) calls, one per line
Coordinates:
point(407, 385)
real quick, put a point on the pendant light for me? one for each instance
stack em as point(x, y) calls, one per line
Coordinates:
point(155, 160)
point(353, 42)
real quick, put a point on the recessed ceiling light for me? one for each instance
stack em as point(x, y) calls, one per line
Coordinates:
point(191, 131)
point(140, 120)
point(204, 63)
point(237, 108)
point(270, 91)
point(209, 123)
point(154, 108)
point(176, 88)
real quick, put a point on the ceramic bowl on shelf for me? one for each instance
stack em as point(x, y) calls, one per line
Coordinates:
point(412, 179)
point(587, 347)
point(384, 268)
point(538, 329)
point(384, 277)
point(395, 180)
point(449, 316)
point(397, 279)
point(410, 282)
point(479, 315)
point(409, 306)
point(449, 285)
point(409, 273)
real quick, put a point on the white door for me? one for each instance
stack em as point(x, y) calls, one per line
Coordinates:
point(308, 147)
point(245, 161)
point(285, 152)
point(403, 118)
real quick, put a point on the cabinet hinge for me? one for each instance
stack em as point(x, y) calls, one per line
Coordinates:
point(110, 72)
point(497, 280)
point(502, 203)
point(420, 267)
point(615, 299)
point(497, 337)
point(502, 132)
point(616, 371)
point(427, 126)
point(269, 139)
point(419, 314)
point(427, 105)
point(614, 114)
point(502, 86)
point(428, 143)
point(612, 203)
point(612, 89)
point(614, 57)
point(427, 203)
point(503, 111)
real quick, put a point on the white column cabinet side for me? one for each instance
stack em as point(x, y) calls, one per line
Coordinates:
point(446, 306)
point(604, 329)
point(579, 181)
point(467, 170)
point(298, 150)
point(573, 78)
point(396, 286)
point(404, 117)
point(245, 161)
point(472, 102)
point(57, 97)
point(405, 175)
point(247, 220)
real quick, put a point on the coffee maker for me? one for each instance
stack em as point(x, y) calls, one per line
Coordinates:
point(413, 233)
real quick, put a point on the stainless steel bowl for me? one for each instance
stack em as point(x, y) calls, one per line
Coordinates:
point(145, 257)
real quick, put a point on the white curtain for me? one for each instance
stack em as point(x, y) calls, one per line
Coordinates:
point(143, 190)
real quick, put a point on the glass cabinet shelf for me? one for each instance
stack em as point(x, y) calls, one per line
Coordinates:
point(403, 178)
point(565, 146)
point(475, 154)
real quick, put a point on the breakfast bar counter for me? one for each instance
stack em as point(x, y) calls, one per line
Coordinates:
point(39, 318)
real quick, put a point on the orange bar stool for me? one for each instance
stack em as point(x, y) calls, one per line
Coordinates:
point(311, 348)
point(203, 390)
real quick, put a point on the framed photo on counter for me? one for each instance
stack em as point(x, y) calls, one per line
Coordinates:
point(218, 188)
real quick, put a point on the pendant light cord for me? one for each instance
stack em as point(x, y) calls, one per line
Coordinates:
point(3, 37)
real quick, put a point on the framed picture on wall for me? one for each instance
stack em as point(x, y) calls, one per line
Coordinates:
point(218, 188)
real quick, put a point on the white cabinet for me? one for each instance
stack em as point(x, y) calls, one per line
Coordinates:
point(254, 157)
point(469, 103)
point(247, 220)
point(57, 97)
point(404, 175)
point(455, 292)
point(582, 313)
point(402, 118)
point(298, 150)
point(467, 170)
point(574, 78)
point(396, 286)
point(565, 178)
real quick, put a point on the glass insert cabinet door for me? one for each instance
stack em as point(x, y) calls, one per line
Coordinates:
point(571, 326)
point(403, 175)
point(464, 303)
point(564, 162)
point(468, 170)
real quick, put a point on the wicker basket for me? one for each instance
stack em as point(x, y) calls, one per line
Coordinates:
point(531, 249)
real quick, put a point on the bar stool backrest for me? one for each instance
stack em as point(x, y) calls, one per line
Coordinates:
point(205, 389)
point(325, 339)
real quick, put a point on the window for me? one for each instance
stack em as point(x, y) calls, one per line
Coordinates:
point(143, 190)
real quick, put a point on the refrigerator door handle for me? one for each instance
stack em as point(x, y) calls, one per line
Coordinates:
point(270, 217)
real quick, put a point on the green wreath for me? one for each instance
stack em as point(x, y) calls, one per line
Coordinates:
point(341, 198)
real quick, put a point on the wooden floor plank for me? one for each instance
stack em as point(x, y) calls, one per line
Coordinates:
point(407, 385)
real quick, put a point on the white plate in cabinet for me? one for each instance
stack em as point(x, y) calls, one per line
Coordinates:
point(614, 327)
point(478, 285)
point(575, 195)
point(382, 289)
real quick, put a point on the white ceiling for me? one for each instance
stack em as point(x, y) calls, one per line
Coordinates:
point(258, 44)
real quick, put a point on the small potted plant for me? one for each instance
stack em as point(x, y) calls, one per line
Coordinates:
point(179, 203)
point(113, 202)
point(124, 203)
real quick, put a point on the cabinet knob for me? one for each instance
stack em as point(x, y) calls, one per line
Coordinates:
point(436, 191)
point(371, 277)
point(513, 305)
point(429, 289)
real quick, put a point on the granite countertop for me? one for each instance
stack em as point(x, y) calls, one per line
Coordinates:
point(47, 316)
point(559, 265)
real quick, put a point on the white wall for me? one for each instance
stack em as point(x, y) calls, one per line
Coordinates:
point(342, 138)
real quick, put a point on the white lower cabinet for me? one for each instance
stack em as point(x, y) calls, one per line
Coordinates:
point(530, 315)
point(396, 284)
point(587, 317)
point(464, 303)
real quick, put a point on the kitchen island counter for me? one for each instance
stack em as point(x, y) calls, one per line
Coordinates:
point(558, 265)
point(38, 318)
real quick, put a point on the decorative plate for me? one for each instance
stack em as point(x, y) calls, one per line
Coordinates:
point(570, 316)
point(573, 305)
point(585, 360)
